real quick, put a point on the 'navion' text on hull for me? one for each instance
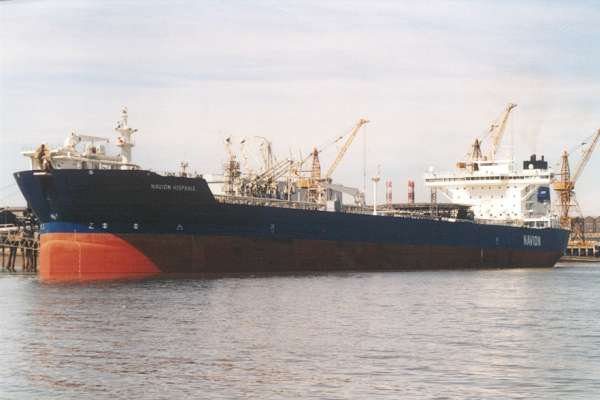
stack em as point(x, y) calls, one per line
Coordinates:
point(103, 217)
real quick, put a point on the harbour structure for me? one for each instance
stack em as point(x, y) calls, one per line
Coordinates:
point(565, 187)
point(105, 217)
point(19, 240)
point(499, 190)
point(588, 246)
point(590, 250)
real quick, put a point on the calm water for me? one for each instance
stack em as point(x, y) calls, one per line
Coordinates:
point(461, 334)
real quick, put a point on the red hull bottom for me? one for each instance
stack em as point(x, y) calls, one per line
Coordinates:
point(99, 256)
point(72, 256)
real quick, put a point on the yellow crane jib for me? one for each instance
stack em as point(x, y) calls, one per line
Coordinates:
point(587, 154)
point(565, 187)
point(345, 147)
point(497, 129)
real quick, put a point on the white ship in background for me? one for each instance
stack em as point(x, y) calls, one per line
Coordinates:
point(497, 189)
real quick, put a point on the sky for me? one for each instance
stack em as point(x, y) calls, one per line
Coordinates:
point(430, 76)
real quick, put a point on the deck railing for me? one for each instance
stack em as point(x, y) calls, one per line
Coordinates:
point(270, 202)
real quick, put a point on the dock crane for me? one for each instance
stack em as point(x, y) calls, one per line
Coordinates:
point(345, 148)
point(317, 182)
point(316, 165)
point(495, 132)
point(265, 183)
point(565, 186)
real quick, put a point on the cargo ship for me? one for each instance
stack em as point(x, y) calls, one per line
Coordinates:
point(104, 217)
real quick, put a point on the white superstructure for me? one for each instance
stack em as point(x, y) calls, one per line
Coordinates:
point(498, 190)
point(86, 151)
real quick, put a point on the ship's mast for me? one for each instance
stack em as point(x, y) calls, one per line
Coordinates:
point(315, 177)
point(125, 140)
point(375, 180)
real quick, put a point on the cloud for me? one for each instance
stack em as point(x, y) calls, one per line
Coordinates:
point(430, 76)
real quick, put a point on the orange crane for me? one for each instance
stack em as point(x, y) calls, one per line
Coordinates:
point(316, 183)
point(318, 186)
point(565, 186)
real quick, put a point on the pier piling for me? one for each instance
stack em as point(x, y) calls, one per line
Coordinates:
point(19, 240)
point(15, 243)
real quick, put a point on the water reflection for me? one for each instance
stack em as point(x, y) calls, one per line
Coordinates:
point(452, 334)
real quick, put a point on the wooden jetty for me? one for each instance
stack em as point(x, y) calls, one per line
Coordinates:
point(19, 241)
point(19, 250)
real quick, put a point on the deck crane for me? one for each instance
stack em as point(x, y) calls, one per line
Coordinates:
point(344, 148)
point(227, 143)
point(266, 152)
point(565, 187)
point(244, 156)
point(277, 171)
point(232, 170)
point(315, 171)
point(317, 183)
point(265, 183)
point(314, 153)
point(496, 131)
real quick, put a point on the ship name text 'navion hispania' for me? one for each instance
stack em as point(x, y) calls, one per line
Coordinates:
point(104, 217)
point(496, 188)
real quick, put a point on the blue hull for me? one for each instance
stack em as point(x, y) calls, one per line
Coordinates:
point(174, 224)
